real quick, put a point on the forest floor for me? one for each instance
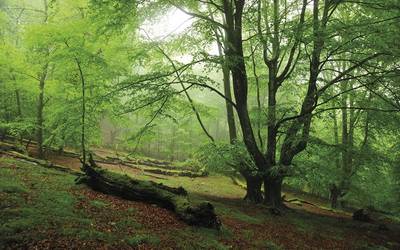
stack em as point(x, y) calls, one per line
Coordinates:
point(42, 208)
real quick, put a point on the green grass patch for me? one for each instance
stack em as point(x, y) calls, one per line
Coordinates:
point(201, 238)
point(269, 245)
point(140, 239)
point(128, 223)
point(234, 213)
point(99, 203)
point(9, 186)
point(37, 200)
point(309, 223)
point(88, 234)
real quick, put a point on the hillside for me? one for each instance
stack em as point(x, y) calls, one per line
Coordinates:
point(43, 208)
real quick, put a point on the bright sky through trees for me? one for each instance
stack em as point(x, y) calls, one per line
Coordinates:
point(172, 23)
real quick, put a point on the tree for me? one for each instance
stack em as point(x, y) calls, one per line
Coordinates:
point(292, 44)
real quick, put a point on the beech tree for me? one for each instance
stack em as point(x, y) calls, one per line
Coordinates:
point(300, 43)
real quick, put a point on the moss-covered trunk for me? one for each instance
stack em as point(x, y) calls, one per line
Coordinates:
point(175, 199)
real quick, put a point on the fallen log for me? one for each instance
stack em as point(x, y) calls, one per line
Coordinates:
point(154, 170)
point(174, 199)
point(164, 165)
point(39, 162)
point(4, 146)
point(176, 173)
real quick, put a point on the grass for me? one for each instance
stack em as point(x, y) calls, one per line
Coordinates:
point(98, 204)
point(310, 223)
point(235, 213)
point(127, 223)
point(41, 201)
point(37, 200)
point(203, 238)
point(88, 234)
point(271, 246)
point(31, 205)
point(38, 203)
point(138, 240)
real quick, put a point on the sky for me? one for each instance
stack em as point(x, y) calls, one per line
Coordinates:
point(172, 23)
point(175, 22)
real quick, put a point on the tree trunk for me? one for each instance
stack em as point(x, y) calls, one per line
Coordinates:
point(273, 192)
point(253, 190)
point(174, 199)
point(229, 109)
point(334, 195)
point(39, 118)
point(40, 104)
point(18, 99)
point(227, 83)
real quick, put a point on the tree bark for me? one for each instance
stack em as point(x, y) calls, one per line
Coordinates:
point(253, 189)
point(297, 134)
point(334, 195)
point(40, 104)
point(221, 43)
point(18, 99)
point(39, 116)
point(334, 189)
point(273, 192)
point(234, 54)
point(229, 109)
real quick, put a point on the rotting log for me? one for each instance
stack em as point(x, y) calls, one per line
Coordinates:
point(176, 173)
point(40, 162)
point(164, 165)
point(4, 146)
point(175, 199)
point(162, 169)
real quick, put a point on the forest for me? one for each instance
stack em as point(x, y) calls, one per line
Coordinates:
point(199, 124)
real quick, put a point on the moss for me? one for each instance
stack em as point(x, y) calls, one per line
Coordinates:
point(39, 201)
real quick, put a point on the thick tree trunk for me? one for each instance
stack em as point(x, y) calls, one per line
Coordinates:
point(235, 56)
point(174, 199)
point(253, 190)
point(273, 192)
